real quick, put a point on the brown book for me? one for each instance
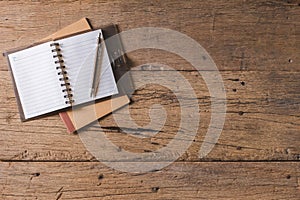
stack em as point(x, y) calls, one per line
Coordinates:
point(81, 116)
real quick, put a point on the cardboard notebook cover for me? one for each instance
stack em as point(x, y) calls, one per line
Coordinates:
point(81, 116)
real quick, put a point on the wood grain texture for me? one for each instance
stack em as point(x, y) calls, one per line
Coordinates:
point(178, 181)
point(238, 35)
point(262, 121)
point(255, 45)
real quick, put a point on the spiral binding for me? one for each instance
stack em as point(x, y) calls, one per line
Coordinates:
point(62, 73)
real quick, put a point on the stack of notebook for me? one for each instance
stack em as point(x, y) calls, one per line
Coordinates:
point(55, 76)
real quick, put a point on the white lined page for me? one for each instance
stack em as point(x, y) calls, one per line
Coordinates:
point(78, 55)
point(36, 80)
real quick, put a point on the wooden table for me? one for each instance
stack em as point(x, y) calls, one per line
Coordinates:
point(255, 45)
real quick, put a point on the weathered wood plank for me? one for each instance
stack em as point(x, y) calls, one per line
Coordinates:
point(179, 180)
point(262, 121)
point(238, 35)
point(256, 46)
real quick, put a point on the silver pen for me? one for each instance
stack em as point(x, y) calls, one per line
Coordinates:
point(97, 67)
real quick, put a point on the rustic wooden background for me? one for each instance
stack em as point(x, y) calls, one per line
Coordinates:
point(255, 45)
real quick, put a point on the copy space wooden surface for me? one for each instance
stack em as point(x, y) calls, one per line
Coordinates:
point(255, 45)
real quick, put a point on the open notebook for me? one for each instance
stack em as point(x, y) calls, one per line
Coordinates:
point(58, 74)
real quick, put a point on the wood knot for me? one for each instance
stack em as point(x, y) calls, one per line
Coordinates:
point(155, 189)
point(241, 113)
point(36, 174)
point(100, 177)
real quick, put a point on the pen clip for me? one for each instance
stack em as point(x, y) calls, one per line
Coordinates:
point(99, 39)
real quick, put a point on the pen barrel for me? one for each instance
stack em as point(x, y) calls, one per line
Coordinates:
point(97, 67)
